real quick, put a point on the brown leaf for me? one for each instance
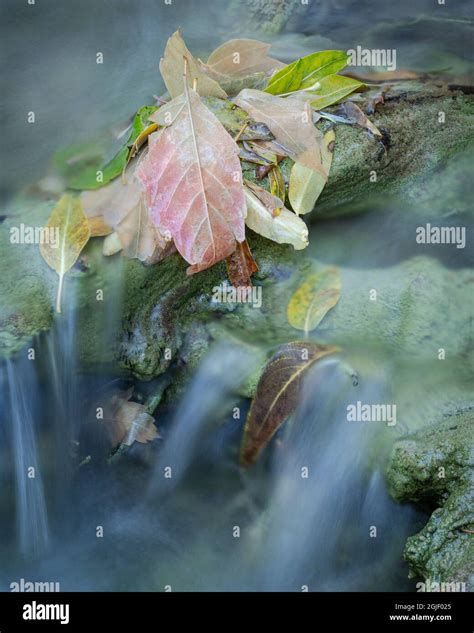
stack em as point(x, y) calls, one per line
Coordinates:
point(239, 58)
point(290, 121)
point(278, 393)
point(384, 76)
point(171, 68)
point(241, 266)
point(128, 422)
point(355, 115)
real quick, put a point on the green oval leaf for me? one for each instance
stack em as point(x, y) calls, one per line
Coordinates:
point(306, 71)
point(332, 89)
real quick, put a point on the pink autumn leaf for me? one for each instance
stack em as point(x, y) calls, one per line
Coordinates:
point(193, 184)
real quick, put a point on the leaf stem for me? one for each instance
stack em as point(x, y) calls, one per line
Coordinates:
point(241, 131)
point(59, 293)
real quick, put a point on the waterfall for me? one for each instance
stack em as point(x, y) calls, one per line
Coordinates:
point(22, 404)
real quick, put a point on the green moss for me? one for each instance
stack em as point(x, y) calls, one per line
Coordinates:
point(435, 467)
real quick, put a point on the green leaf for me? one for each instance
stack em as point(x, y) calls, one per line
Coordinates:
point(287, 79)
point(306, 71)
point(332, 89)
point(88, 178)
point(313, 299)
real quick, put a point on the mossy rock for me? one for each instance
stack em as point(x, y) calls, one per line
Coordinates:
point(434, 468)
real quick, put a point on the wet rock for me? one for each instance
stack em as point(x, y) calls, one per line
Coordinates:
point(158, 301)
point(434, 468)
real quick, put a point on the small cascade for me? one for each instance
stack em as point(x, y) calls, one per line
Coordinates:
point(23, 401)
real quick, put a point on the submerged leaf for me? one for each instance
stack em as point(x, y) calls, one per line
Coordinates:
point(290, 121)
point(193, 182)
point(306, 71)
point(241, 266)
point(278, 393)
point(267, 216)
point(128, 422)
point(313, 299)
point(240, 58)
point(306, 184)
point(70, 223)
point(171, 68)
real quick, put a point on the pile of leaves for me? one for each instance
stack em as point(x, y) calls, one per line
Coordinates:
point(177, 182)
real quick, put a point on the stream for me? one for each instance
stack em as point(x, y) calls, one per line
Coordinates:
point(69, 516)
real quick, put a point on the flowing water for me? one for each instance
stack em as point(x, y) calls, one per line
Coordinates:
point(126, 525)
point(180, 531)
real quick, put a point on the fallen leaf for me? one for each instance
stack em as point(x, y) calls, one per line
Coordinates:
point(122, 206)
point(98, 176)
point(98, 227)
point(313, 299)
point(305, 184)
point(377, 99)
point(278, 393)
point(193, 182)
point(240, 58)
point(385, 76)
point(267, 216)
point(255, 153)
point(128, 422)
point(241, 266)
point(331, 90)
point(306, 71)
point(246, 154)
point(70, 223)
point(263, 170)
point(355, 115)
point(277, 182)
point(233, 85)
point(290, 121)
point(112, 245)
point(171, 68)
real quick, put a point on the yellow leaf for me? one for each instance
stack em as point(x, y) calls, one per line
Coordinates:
point(306, 184)
point(313, 299)
point(70, 223)
point(98, 227)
